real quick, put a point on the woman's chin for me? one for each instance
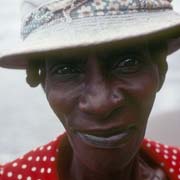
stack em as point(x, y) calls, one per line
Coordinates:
point(111, 157)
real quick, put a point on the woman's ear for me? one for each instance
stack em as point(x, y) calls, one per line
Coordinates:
point(43, 77)
point(162, 67)
point(35, 73)
point(159, 52)
point(162, 76)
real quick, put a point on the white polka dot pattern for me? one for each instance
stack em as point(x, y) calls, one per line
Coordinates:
point(15, 164)
point(24, 166)
point(38, 164)
point(167, 157)
point(9, 174)
point(19, 177)
point(1, 171)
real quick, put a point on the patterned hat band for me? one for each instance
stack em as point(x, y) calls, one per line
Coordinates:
point(67, 10)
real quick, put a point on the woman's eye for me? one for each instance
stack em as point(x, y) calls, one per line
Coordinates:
point(64, 70)
point(127, 65)
point(67, 72)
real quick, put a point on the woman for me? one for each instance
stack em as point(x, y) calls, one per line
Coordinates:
point(100, 64)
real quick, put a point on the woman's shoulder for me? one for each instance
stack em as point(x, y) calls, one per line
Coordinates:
point(165, 156)
point(40, 163)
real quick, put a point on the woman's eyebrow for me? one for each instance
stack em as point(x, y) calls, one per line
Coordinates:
point(64, 59)
point(117, 53)
point(50, 63)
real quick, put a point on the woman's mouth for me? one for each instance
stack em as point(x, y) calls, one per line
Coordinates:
point(108, 138)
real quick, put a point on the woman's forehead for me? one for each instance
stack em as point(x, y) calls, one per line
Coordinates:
point(83, 54)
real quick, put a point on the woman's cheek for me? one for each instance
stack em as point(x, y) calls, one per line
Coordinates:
point(146, 85)
point(150, 85)
point(62, 99)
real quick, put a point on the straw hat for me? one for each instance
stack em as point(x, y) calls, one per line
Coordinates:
point(49, 25)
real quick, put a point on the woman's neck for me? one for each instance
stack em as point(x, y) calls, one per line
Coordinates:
point(79, 171)
point(70, 168)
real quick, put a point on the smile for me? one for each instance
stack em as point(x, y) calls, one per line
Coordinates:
point(107, 139)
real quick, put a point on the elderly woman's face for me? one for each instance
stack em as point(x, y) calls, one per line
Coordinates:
point(103, 100)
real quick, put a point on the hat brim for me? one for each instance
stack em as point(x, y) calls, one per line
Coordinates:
point(96, 31)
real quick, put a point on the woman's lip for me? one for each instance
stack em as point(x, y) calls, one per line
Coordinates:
point(104, 132)
point(106, 140)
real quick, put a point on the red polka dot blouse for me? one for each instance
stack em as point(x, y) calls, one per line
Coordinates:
point(41, 163)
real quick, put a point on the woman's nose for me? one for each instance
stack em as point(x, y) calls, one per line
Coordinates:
point(101, 101)
point(99, 96)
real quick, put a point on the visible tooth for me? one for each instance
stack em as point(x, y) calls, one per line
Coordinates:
point(105, 142)
point(97, 138)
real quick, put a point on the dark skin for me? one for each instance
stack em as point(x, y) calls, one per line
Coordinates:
point(104, 98)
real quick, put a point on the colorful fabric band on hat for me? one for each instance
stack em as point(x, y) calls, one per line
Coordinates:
point(66, 10)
